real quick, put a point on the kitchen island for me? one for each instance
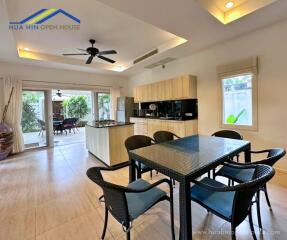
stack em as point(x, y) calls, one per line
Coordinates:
point(105, 140)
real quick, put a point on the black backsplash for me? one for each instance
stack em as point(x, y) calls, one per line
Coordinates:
point(179, 109)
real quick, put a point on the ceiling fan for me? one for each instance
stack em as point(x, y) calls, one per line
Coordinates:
point(94, 52)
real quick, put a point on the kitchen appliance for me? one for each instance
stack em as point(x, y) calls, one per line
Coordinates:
point(125, 108)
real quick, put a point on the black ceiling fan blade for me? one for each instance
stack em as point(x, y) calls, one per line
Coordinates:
point(90, 59)
point(107, 52)
point(75, 54)
point(106, 59)
point(80, 49)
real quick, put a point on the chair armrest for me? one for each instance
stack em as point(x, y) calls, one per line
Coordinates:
point(239, 165)
point(176, 136)
point(131, 190)
point(261, 151)
point(217, 189)
point(115, 167)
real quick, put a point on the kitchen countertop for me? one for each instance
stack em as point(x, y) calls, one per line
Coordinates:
point(107, 124)
point(168, 119)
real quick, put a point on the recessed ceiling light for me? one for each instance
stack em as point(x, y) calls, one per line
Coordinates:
point(229, 4)
point(26, 49)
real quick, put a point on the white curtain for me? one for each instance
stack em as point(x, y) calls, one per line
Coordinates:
point(14, 113)
point(115, 93)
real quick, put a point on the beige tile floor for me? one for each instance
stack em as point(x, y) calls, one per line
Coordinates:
point(45, 195)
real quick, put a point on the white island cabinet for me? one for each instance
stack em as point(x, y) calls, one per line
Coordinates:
point(107, 141)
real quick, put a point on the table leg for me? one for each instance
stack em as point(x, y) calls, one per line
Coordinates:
point(247, 155)
point(185, 211)
point(132, 171)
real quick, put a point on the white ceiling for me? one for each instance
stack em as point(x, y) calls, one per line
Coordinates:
point(130, 27)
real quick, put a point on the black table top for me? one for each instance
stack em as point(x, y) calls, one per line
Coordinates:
point(189, 156)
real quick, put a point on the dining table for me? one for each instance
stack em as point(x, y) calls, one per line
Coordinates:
point(187, 159)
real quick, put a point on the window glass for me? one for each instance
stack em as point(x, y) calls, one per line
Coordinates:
point(237, 100)
point(104, 106)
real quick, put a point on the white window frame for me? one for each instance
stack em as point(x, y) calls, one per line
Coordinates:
point(234, 73)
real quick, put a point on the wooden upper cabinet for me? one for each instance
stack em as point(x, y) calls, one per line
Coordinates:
point(183, 87)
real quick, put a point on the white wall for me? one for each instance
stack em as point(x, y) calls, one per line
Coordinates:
point(269, 45)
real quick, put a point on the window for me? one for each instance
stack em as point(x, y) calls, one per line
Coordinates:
point(103, 106)
point(239, 98)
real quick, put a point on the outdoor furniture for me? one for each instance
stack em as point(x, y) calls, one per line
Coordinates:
point(185, 160)
point(241, 175)
point(135, 142)
point(42, 126)
point(70, 124)
point(233, 204)
point(58, 126)
point(128, 203)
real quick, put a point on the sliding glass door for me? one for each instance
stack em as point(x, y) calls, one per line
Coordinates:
point(103, 103)
point(34, 124)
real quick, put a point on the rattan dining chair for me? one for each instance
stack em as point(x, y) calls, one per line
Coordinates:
point(165, 136)
point(135, 142)
point(244, 175)
point(229, 134)
point(126, 204)
point(232, 203)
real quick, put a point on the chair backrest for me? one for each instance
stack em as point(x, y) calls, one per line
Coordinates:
point(68, 121)
point(228, 134)
point(163, 136)
point(138, 141)
point(41, 123)
point(245, 192)
point(273, 155)
point(114, 195)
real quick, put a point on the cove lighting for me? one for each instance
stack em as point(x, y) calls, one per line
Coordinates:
point(229, 4)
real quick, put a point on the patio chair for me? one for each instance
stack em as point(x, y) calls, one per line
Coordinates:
point(70, 124)
point(126, 204)
point(232, 203)
point(42, 126)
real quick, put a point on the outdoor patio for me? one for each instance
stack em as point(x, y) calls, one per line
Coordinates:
point(33, 139)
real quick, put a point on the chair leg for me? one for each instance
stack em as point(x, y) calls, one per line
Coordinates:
point(251, 225)
point(208, 174)
point(213, 174)
point(105, 223)
point(233, 232)
point(128, 235)
point(258, 211)
point(171, 213)
point(267, 197)
point(229, 182)
point(173, 182)
point(150, 174)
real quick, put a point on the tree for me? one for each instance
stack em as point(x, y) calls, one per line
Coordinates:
point(76, 106)
point(104, 105)
point(29, 117)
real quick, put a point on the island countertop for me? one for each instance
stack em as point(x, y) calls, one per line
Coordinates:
point(107, 124)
